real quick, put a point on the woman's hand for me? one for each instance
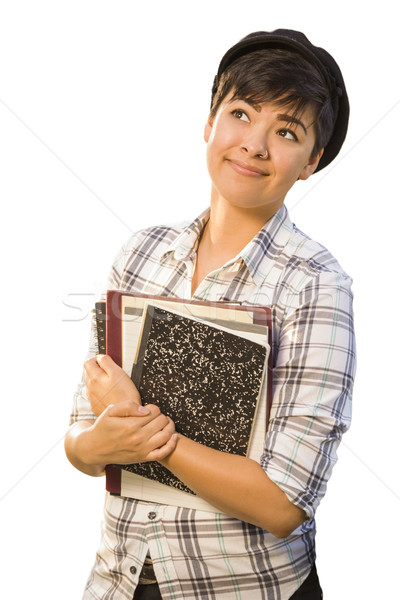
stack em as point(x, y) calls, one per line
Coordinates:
point(124, 433)
point(128, 433)
point(107, 383)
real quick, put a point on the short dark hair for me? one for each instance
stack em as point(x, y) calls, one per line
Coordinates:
point(283, 77)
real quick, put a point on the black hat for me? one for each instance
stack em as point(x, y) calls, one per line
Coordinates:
point(320, 58)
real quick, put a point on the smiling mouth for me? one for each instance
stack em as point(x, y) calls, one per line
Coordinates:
point(245, 169)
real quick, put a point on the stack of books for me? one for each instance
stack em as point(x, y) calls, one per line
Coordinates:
point(205, 364)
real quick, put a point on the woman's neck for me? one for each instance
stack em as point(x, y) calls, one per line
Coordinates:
point(231, 228)
point(227, 232)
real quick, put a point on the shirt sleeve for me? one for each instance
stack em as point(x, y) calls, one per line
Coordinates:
point(81, 409)
point(313, 379)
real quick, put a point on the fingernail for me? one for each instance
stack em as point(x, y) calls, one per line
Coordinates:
point(143, 410)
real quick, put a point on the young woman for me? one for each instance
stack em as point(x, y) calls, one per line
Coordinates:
point(279, 113)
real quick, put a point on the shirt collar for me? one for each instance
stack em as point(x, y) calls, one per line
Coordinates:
point(259, 254)
point(185, 245)
point(265, 248)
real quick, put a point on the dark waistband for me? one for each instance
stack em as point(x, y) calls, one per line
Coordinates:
point(147, 575)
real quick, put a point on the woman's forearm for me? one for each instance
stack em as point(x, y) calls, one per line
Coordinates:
point(75, 449)
point(236, 485)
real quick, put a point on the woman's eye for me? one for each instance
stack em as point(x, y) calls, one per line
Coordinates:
point(240, 114)
point(287, 134)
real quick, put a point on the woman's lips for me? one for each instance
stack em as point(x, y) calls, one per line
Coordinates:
point(245, 169)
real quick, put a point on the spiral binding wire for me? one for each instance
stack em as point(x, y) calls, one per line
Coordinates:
point(99, 313)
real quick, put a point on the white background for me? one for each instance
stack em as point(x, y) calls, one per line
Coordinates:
point(102, 107)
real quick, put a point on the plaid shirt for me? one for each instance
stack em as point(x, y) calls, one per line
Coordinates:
point(200, 555)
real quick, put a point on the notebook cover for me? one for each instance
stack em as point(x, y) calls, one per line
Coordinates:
point(196, 373)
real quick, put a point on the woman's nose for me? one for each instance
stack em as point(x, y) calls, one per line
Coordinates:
point(255, 146)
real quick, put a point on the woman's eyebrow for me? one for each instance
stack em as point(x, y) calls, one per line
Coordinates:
point(280, 117)
point(290, 119)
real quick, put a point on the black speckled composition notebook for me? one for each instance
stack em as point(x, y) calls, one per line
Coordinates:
point(206, 378)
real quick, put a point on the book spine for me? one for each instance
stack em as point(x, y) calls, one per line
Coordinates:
point(113, 479)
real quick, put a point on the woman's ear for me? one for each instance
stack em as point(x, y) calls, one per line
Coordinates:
point(311, 166)
point(207, 130)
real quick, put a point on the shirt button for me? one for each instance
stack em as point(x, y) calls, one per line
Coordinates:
point(152, 515)
point(133, 570)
